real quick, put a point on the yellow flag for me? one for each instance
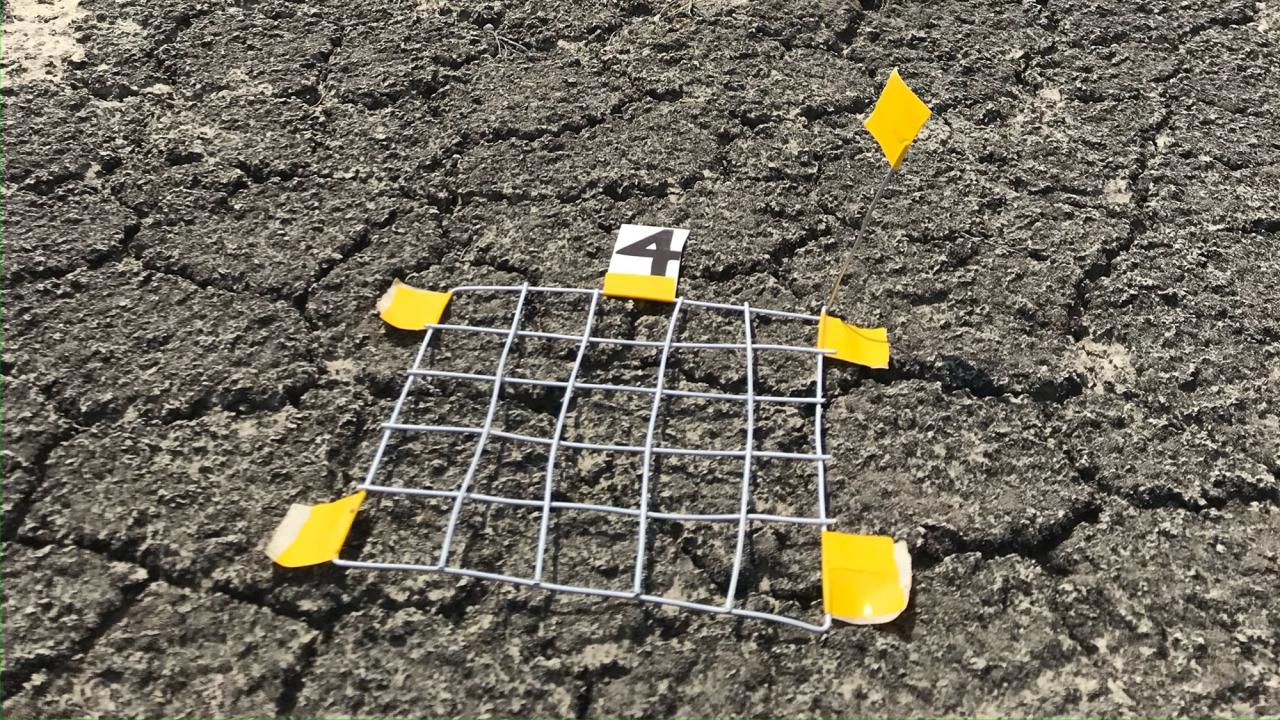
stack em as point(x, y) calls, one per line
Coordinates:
point(866, 579)
point(314, 534)
point(896, 119)
point(864, 346)
point(410, 308)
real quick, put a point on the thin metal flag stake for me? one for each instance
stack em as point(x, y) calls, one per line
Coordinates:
point(857, 239)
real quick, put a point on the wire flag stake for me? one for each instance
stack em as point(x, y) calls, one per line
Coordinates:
point(895, 122)
point(857, 239)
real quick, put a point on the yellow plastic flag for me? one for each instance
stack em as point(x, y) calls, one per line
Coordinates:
point(896, 119)
point(864, 346)
point(866, 579)
point(410, 308)
point(314, 534)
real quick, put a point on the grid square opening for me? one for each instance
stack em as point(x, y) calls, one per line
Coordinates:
point(598, 477)
point(711, 325)
point(690, 561)
point(405, 529)
point(697, 423)
point(609, 417)
point(783, 570)
point(556, 313)
point(696, 484)
point(509, 469)
point(720, 371)
point(785, 331)
point(785, 487)
point(424, 460)
point(608, 363)
point(496, 538)
point(788, 374)
point(446, 401)
point(526, 410)
point(490, 308)
point(537, 358)
point(592, 549)
point(784, 428)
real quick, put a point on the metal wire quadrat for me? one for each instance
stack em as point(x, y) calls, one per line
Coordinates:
point(499, 378)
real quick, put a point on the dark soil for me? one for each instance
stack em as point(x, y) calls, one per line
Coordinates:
point(1079, 267)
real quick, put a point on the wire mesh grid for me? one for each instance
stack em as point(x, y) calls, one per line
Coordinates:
point(544, 505)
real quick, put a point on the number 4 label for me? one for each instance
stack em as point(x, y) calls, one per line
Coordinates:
point(646, 263)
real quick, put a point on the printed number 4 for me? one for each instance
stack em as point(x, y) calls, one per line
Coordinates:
point(656, 246)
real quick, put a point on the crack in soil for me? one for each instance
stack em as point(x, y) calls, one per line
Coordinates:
point(1164, 497)
point(295, 678)
point(361, 242)
point(1035, 542)
point(17, 677)
point(92, 261)
point(1104, 260)
point(126, 553)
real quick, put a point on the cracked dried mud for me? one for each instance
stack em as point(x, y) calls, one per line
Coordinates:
point(1079, 435)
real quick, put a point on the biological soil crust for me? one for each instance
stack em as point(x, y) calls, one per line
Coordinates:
point(1079, 267)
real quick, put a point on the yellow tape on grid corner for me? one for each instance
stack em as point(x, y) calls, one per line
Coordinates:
point(640, 287)
point(313, 534)
point(866, 579)
point(896, 119)
point(864, 346)
point(410, 308)
point(646, 263)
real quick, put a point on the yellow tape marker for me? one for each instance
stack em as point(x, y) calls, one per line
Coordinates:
point(864, 346)
point(313, 534)
point(866, 579)
point(896, 119)
point(641, 287)
point(410, 308)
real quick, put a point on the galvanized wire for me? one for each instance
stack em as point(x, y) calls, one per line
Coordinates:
point(651, 448)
